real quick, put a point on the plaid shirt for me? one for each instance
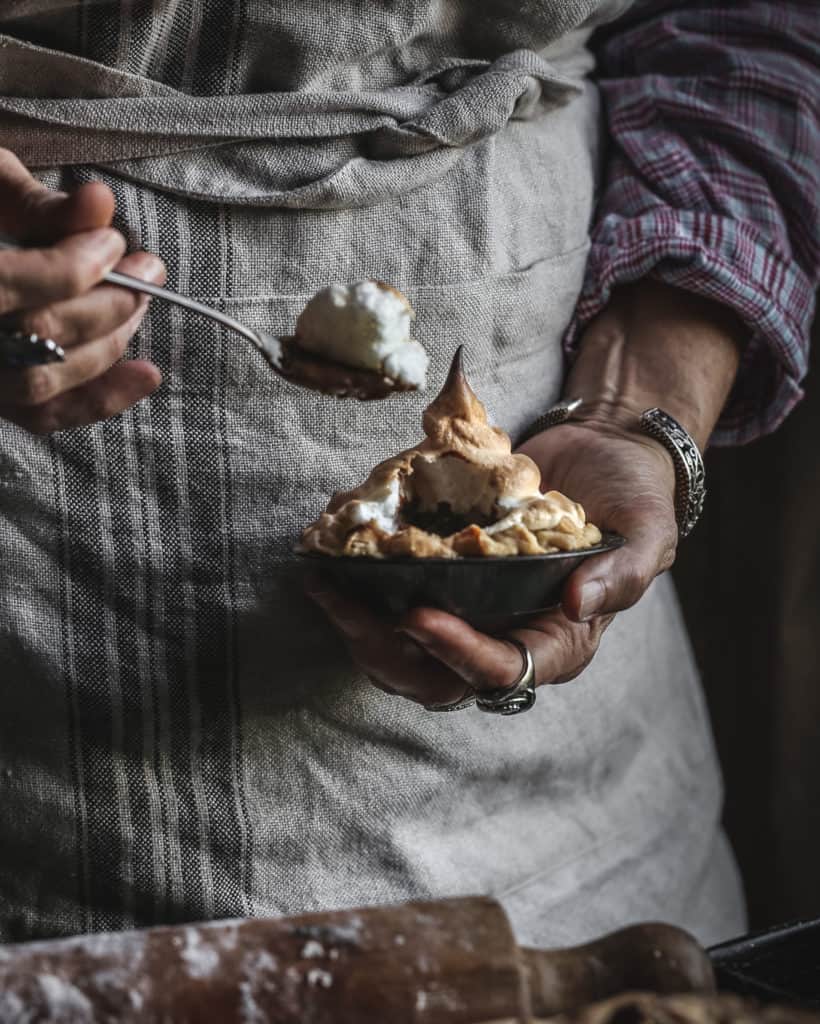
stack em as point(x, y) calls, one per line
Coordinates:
point(712, 183)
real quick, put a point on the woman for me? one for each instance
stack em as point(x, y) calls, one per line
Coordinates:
point(183, 733)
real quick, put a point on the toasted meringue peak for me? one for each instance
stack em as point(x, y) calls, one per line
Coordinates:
point(460, 492)
point(456, 418)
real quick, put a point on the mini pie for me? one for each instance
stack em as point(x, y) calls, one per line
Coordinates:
point(460, 493)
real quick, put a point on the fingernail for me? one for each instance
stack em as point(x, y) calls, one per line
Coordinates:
point(592, 599)
point(153, 268)
point(105, 241)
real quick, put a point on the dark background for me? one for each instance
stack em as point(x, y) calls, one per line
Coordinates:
point(749, 581)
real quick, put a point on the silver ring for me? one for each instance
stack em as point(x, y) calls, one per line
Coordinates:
point(19, 350)
point(512, 700)
point(456, 705)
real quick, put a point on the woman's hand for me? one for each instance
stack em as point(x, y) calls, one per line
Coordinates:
point(54, 291)
point(625, 481)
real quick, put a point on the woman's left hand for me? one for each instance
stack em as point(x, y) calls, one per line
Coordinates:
point(625, 481)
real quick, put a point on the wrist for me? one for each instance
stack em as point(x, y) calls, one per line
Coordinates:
point(617, 388)
point(656, 346)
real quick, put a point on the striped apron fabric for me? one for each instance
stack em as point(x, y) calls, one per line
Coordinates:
point(182, 736)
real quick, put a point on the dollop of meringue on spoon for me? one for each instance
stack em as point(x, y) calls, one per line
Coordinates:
point(461, 492)
point(354, 341)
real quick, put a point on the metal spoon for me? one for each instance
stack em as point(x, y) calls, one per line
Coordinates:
point(282, 354)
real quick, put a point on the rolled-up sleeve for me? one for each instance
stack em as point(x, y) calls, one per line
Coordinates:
point(711, 182)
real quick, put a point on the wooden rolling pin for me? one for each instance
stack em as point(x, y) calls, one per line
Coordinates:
point(444, 962)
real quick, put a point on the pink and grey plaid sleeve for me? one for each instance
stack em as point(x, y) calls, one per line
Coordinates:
point(712, 182)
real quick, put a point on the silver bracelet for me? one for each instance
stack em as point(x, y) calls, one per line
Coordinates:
point(690, 474)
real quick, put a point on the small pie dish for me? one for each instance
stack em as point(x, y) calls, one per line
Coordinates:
point(491, 594)
point(459, 522)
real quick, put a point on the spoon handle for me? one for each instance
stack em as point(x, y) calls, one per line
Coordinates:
point(265, 345)
point(135, 284)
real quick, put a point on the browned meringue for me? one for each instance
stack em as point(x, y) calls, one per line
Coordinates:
point(460, 493)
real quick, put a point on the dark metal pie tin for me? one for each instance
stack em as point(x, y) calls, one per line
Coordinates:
point(489, 593)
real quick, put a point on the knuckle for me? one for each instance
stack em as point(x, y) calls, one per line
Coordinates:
point(79, 275)
point(667, 559)
point(590, 640)
point(37, 386)
point(583, 641)
point(64, 275)
point(632, 585)
point(42, 322)
point(114, 346)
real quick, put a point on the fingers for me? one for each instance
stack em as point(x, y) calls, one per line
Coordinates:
point(108, 315)
point(89, 207)
point(30, 212)
point(435, 658)
point(38, 385)
point(483, 662)
point(560, 649)
point(118, 389)
point(615, 581)
point(88, 386)
point(96, 313)
point(392, 661)
point(33, 278)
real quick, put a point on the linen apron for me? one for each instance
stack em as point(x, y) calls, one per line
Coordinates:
point(182, 736)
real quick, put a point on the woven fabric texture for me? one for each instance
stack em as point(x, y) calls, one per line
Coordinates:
point(182, 736)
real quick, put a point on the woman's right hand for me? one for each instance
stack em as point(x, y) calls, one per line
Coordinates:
point(54, 290)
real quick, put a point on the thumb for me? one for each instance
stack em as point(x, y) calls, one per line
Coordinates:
point(57, 214)
point(614, 581)
point(30, 212)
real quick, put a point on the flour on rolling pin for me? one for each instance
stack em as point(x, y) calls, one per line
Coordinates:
point(444, 962)
point(431, 963)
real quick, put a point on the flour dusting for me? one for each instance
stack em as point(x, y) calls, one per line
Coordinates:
point(316, 976)
point(257, 986)
point(65, 1002)
point(201, 960)
point(12, 1010)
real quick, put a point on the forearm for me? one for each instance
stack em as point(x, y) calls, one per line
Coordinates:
point(711, 180)
point(655, 345)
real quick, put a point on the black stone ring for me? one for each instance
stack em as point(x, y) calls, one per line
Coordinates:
point(19, 350)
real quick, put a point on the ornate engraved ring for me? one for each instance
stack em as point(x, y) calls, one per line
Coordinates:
point(512, 700)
